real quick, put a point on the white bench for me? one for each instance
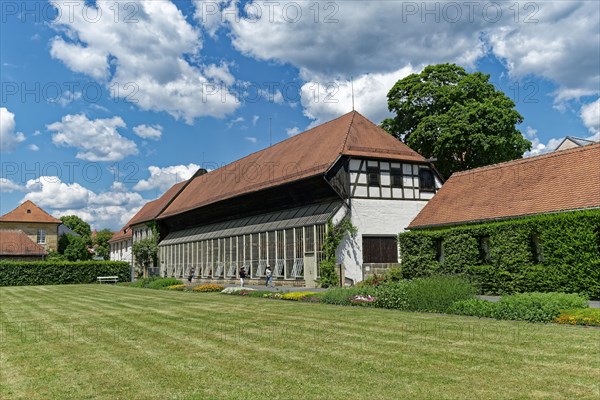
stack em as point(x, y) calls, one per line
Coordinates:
point(108, 279)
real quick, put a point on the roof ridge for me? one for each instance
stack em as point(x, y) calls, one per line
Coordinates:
point(527, 159)
point(284, 140)
point(348, 131)
point(580, 138)
point(53, 219)
point(277, 144)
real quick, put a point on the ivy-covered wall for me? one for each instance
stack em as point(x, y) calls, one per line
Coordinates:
point(552, 252)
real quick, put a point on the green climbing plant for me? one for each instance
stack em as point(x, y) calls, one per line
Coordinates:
point(333, 238)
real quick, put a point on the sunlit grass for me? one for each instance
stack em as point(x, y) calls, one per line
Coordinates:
point(91, 341)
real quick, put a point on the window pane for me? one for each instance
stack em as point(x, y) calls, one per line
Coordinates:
point(373, 176)
point(426, 180)
point(396, 176)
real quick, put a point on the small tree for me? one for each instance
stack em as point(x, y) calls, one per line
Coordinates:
point(145, 251)
point(335, 234)
point(101, 245)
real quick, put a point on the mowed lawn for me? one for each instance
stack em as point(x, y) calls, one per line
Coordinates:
point(92, 341)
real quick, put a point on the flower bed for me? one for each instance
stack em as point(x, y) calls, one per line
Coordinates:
point(210, 287)
point(177, 287)
point(296, 296)
point(579, 316)
point(237, 290)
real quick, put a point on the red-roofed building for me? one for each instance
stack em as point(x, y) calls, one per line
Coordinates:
point(15, 245)
point(37, 224)
point(560, 181)
point(531, 224)
point(272, 207)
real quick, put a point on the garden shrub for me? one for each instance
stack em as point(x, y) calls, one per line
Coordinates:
point(162, 283)
point(209, 287)
point(473, 307)
point(13, 273)
point(569, 260)
point(341, 295)
point(579, 316)
point(333, 238)
point(394, 274)
point(537, 307)
point(391, 295)
point(143, 282)
point(437, 293)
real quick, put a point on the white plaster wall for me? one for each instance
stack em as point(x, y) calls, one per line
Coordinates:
point(374, 217)
point(115, 252)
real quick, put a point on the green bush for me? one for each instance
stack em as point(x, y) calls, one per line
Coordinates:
point(162, 283)
point(537, 307)
point(473, 307)
point(341, 296)
point(392, 295)
point(569, 262)
point(60, 272)
point(437, 293)
point(394, 274)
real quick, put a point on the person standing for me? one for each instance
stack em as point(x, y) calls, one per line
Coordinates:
point(242, 276)
point(268, 276)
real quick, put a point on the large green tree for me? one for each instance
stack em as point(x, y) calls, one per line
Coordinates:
point(456, 117)
point(75, 248)
point(101, 245)
point(77, 225)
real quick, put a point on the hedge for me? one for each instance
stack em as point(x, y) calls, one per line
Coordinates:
point(60, 272)
point(571, 254)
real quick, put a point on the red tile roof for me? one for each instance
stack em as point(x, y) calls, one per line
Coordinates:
point(559, 181)
point(152, 209)
point(122, 234)
point(29, 212)
point(17, 243)
point(305, 155)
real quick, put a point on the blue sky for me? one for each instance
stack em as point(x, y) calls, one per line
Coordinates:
point(106, 104)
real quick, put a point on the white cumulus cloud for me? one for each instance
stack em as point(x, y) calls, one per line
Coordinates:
point(163, 178)
point(108, 209)
point(9, 186)
point(293, 131)
point(9, 139)
point(330, 42)
point(590, 114)
point(96, 140)
point(153, 132)
point(149, 55)
point(51, 192)
point(324, 100)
